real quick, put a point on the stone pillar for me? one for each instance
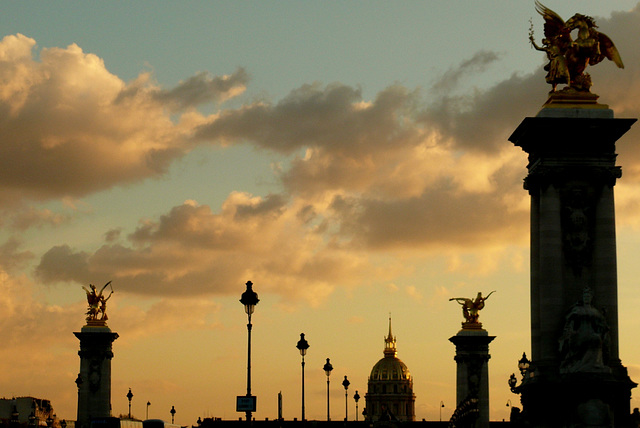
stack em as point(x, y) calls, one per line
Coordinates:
point(94, 380)
point(575, 368)
point(472, 377)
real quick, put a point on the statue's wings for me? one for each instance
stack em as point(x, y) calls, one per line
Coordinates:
point(555, 29)
point(105, 286)
point(607, 50)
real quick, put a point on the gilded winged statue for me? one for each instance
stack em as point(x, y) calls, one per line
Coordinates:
point(97, 302)
point(471, 307)
point(568, 58)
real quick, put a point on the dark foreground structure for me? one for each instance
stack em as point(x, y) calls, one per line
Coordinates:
point(575, 378)
point(213, 423)
point(574, 296)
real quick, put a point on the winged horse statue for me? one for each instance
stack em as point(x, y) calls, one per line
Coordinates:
point(569, 57)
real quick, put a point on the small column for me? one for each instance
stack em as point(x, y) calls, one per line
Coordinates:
point(94, 379)
point(472, 367)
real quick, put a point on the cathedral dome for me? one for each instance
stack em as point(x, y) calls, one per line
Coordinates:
point(390, 387)
point(390, 368)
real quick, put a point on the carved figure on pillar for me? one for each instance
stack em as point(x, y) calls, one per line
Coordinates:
point(585, 339)
point(96, 352)
point(568, 58)
point(472, 367)
point(471, 309)
point(97, 310)
point(577, 221)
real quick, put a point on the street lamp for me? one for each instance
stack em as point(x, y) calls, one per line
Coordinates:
point(129, 397)
point(173, 413)
point(523, 364)
point(441, 407)
point(346, 383)
point(302, 346)
point(327, 369)
point(356, 397)
point(249, 299)
point(148, 404)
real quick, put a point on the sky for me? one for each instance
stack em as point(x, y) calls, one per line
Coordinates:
point(351, 159)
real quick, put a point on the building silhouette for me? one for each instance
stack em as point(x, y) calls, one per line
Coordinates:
point(390, 387)
point(28, 412)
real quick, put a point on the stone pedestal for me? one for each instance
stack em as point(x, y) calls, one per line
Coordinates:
point(575, 368)
point(472, 377)
point(94, 380)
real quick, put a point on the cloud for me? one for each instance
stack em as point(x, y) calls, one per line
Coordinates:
point(440, 217)
point(193, 251)
point(112, 235)
point(414, 293)
point(404, 172)
point(69, 127)
point(11, 258)
point(476, 64)
point(377, 177)
point(190, 93)
point(483, 120)
point(26, 218)
point(61, 263)
point(333, 118)
point(163, 317)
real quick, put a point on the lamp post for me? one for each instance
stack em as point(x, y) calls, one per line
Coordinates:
point(148, 404)
point(129, 397)
point(356, 397)
point(327, 369)
point(441, 407)
point(173, 413)
point(302, 346)
point(523, 364)
point(249, 299)
point(346, 383)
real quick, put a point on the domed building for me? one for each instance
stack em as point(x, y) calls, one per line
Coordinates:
point(390, 388)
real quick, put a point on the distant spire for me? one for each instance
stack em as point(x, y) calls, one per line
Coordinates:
point(390, 342)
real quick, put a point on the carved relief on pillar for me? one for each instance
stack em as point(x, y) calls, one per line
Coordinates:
point(578, 203)
point(585, 339)
point(95, 358)
point(579, 190)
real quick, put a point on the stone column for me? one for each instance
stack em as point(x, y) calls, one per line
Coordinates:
point(94, 380)
point(472, 377)
point(575, 368)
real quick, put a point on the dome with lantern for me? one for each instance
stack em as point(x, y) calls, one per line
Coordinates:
point(390, 387)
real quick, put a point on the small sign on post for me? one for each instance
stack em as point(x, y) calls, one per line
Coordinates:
point(246, 403)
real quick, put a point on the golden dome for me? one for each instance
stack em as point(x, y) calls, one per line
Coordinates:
point(390, 368)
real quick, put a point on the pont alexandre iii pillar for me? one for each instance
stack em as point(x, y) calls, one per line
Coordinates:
point(576, 377)
point(472, 367)
point(94, 379)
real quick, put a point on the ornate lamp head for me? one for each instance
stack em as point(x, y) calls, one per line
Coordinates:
point(249, 299)
point(302, 345)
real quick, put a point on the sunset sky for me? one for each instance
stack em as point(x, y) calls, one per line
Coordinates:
point(350, 158)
